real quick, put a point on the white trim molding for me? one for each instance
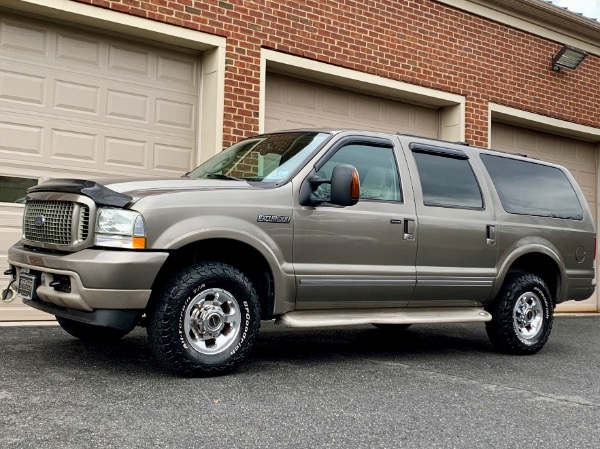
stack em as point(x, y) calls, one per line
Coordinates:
point(537, 17)
point(505, 114)
point(210, 48)
point(452, 106)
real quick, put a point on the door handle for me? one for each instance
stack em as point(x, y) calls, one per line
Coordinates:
point(490, 235)
point(409, 229)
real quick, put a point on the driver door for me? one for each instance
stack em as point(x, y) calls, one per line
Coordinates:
point(362, 255)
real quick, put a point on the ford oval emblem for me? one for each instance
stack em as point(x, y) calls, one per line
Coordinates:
point(39, 220)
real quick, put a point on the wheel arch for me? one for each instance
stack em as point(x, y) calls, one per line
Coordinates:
point(262, 269)
point(537, 260)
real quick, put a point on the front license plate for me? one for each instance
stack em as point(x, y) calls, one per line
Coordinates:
point(27, 285)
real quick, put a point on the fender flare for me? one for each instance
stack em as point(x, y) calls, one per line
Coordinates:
point(522, 250)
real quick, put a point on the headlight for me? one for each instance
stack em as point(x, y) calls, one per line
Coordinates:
point(120, 228)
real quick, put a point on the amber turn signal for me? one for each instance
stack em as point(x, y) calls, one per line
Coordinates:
point(139, 242)
point(355, 186)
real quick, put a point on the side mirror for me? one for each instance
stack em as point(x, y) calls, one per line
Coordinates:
point(345, 185)
point(344, 190)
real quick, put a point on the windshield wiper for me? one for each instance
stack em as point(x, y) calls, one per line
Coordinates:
point(222, 176)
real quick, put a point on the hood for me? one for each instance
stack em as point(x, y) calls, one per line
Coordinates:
point(119, 192)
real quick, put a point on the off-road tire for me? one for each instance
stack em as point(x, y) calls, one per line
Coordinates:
point(392, 327)
point(185, 353)
point(89, 332)
point(503, 329)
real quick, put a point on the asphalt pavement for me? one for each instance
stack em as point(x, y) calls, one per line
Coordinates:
point(431, 386)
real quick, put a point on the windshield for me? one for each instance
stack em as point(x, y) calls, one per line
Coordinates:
point(268, 158)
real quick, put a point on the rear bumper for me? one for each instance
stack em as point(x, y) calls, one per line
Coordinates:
point(100, 279)
point(578, 289)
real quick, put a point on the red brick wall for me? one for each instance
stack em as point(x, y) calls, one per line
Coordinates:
point(416, 41)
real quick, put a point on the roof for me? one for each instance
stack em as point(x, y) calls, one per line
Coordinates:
point(546, 11)
point(566, 8)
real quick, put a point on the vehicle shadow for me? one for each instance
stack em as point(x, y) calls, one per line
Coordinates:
point(368, 342)
point(275, 345)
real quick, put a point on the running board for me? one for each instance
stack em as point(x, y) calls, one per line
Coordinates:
point(328, 318)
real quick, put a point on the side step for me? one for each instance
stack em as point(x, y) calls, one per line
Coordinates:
point(328, 318)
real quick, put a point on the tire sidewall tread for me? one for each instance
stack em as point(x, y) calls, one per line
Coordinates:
point(166, 315)
point(502, 330)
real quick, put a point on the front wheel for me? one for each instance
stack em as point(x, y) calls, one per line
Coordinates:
point(205, 320)
point(522, 315)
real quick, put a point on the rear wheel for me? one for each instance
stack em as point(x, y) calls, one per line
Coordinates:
point(205, 321)
point(89, 332)
point(522, 315)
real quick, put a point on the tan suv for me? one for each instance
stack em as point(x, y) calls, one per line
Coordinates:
point(311, 228)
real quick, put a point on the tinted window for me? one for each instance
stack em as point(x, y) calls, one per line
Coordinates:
point(527, 188)
point(447, 181)
point(376, 167)
point(13, 188)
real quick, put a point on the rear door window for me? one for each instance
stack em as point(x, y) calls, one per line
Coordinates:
point(529, 188)
point(447, 180)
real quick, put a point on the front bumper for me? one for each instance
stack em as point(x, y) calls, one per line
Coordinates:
point(116, 319)
point(99, 279)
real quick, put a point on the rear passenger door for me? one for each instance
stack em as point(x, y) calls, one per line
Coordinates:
point(456, 238)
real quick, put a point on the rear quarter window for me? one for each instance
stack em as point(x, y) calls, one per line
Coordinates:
point(529, 188)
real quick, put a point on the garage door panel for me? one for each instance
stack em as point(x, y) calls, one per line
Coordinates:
point(577, 156)
point(175, 112)
point(336, 101)
point(73, 96)
point(129, 105)
point(291, 103)
point(585, 154)
point(425, 122)
point(75, 49)
point(21, 138)
point(23, 88)
point(71, 146)
point(368, 108)
point(172, 158)
point(399, 115)
point(23, 39)
point(174, 70)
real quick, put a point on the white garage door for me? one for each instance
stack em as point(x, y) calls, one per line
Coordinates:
point(577, 156)
point(293, 103)
point(78, 104)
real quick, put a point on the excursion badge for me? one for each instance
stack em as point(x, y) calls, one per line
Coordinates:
point(273, 218)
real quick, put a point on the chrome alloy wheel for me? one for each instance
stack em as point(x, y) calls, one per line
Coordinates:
point(528, 316)
point(212, 321)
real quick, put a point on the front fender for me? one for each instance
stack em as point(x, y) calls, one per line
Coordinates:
point(274, 246)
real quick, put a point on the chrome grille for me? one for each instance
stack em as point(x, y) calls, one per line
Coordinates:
point(51, 222)
point(84, 223)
